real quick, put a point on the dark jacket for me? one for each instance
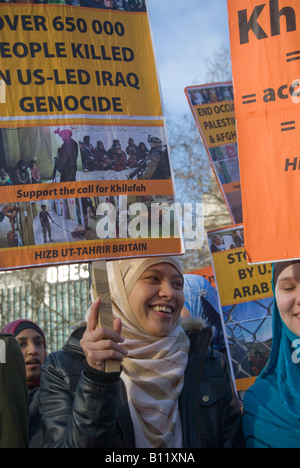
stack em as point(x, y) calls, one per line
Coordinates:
point(13, 395)
point(82, 407)
point(35, 430)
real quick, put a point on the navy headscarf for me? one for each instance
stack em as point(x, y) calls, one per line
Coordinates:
point(201, 300)
point(195, 288)
point(272, 405)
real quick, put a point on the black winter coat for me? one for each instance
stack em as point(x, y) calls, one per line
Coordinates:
point(84, 408)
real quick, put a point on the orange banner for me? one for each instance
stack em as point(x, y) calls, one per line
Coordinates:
point(207, 273)
point(98, 188)
point(265, 59)
point(93, 250)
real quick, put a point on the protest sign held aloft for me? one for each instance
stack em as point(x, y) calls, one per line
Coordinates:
point(265, 60)
point(213, 109)
point(246, 300)
point(81, 126)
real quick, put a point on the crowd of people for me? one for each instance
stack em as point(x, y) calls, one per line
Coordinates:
point(145, 163)
point(114, 158)
point(211, 95)
point(172, 387)
point(152, 163)
point(22, 174)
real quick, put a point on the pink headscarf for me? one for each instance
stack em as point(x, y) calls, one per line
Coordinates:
point(15, 328)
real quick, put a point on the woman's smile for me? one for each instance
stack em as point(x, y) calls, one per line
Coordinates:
point(157, 299)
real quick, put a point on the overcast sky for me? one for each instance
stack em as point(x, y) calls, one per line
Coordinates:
point(185, 33)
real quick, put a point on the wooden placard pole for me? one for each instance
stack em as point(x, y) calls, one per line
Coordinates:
point(100, 288)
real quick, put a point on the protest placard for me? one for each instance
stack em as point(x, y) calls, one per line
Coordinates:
point(81, 129)
point(212, 106)
point(61, 63)
point(246, 299)
point(265, 60)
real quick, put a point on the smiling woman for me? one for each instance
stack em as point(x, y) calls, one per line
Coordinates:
point(157, 298)
point(278, 385)
point(148, 299)
point(287, 280)
point(172, 391)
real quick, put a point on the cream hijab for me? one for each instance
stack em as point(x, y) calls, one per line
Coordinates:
point(153, 370)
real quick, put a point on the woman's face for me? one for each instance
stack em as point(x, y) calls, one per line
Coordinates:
point(157, 299)
point(33, 349)
point(287, 294)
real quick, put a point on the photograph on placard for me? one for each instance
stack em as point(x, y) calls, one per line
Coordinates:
point(37, 155)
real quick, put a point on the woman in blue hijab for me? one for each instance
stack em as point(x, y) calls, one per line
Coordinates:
point(272, 405)
point(201, 303)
